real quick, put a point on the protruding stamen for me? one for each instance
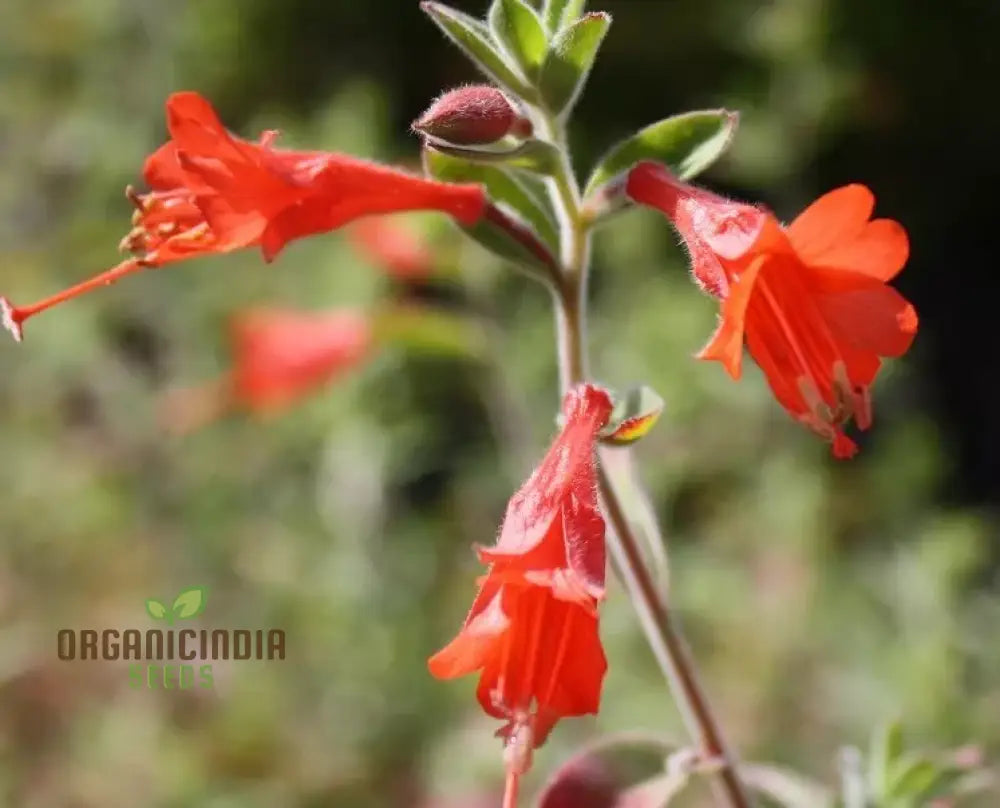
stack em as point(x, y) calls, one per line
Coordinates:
point(13, 317)
point(135, 198)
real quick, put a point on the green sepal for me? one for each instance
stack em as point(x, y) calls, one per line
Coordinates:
point(534, 156)
point(570, 58)
point(517, 28)
point(635, 413)
point(501, 186)
point(687, 144)
point(559, 13)
point(475, 40)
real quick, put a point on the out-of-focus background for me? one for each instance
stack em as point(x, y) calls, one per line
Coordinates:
point(820, 597)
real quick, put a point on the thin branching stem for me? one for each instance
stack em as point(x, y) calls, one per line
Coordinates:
point(660, 627)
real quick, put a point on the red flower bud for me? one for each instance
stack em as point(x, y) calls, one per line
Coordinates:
point(473, 115)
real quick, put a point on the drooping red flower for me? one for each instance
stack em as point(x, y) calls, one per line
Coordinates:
point(810, 300)
point(212, 192)
point(279, 356)
point(532, 630)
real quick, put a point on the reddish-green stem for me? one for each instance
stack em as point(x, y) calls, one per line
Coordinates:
point(657, 620)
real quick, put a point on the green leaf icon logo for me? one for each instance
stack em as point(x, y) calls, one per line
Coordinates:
point(190, 603)
point(156, 609)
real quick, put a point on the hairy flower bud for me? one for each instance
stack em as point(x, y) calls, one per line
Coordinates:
point(473, 115)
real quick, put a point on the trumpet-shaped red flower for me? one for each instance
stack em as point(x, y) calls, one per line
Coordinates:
point(212, 192)
point(279, 356)
point(532, 630)
point(810, 300)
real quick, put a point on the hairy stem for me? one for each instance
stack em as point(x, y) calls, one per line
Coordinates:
point(661, 629)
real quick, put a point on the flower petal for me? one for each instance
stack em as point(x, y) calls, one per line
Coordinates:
point(473, 647)
point(864, 312)
point(726, 344)
point(879, 250)
point(834, 218)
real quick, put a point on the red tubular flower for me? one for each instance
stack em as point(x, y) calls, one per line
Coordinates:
point(212, 192)
point(532, 630)
point(810, 300)
point(279, 356)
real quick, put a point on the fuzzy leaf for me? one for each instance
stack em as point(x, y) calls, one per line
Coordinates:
point(519, 31)
point(506, 190)
point(535, 156)
point(687, 144)
point(559, 13)
point(634, 415)
point(570, 59)
point(189, 603)
point(475, 41)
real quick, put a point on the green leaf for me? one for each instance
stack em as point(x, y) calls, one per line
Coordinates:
point(787, 788)
point(190, 603)
point(475, 41)
point(911, 777)
point(687, 144)
point(431, 331)
point(558, 13)
point(519, 31)
point(634, 414)
point(570, 59)
point(155, 609)
point(886, 748)
point(507, 191)
point(535, 156)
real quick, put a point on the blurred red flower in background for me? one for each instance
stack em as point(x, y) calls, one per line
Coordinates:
point(810, 300)
point(397, 249)
point(279, 356)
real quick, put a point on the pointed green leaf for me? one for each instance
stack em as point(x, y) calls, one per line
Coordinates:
point(507, 191)
point(634, 414)
point(558, 13)
point(155, 609)
point(687, 144)
point(190, 603)
point(519, 31)
point(911, 776)
point(570, 59)
point(886, 747)
point(535, 156)
point(475, 41)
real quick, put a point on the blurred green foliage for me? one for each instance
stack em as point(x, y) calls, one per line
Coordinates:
point(821, 598)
